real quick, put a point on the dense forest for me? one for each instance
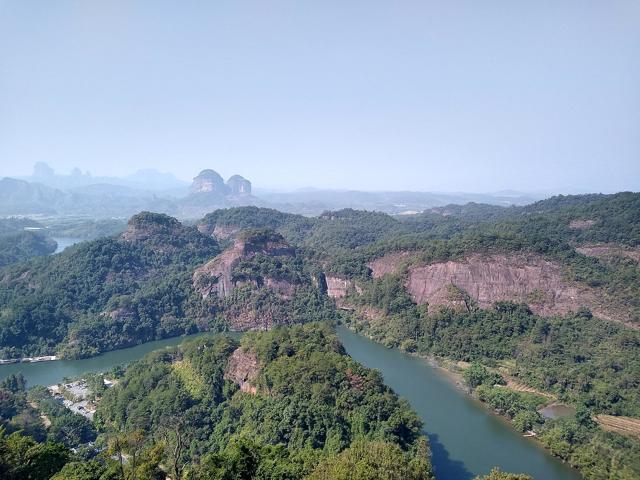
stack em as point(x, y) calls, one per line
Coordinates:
point(138, 286)
point(310, 412)
point(103, 294)
point(285, 404)
point(250, 268)
point(24, 245)
point(22, 238)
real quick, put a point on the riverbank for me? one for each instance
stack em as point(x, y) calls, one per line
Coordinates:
point(467, 439)
point(45, 358)
point(52, 372)
point(452, 372)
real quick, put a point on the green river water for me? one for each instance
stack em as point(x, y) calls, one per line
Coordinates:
point(466, 439)
point(49, 373)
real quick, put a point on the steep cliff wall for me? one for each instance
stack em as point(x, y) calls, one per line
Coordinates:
point(339, 287)
point(216, 276)
point(388, 264)
point(243, 369)
point(528, 279)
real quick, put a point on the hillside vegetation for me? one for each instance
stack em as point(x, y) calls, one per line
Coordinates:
point(308, 397)
point(546, 296)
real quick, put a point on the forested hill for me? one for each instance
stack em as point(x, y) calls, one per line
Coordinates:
point(21, 238)
point(288, 403)
point(591, 241)
point(161, 278)
point(157, 279)
point(545, 297)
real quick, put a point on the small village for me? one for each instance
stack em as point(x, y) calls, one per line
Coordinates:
point(77, 396)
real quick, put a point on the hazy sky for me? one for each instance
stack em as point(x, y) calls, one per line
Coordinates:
point(421, 95)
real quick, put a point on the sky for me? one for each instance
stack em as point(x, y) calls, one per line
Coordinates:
point(448, 95)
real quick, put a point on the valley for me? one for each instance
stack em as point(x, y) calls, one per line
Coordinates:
point(502, 293)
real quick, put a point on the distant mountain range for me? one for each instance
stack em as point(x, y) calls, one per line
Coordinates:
point(148, 179)
point(47, 193)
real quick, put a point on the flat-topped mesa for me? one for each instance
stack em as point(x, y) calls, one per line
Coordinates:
point(146, 225)
point(239, 185)
point(216, 276)
point(209, 181)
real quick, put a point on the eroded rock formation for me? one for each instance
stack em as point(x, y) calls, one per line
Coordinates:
point(216, 276)
point(339, 287)
point(243, 369)
point(239, 185)
point(521, 278)
point(209, 181)
point(388, 264)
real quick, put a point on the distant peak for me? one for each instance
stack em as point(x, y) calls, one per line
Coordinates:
point(209, 181)
point(238, 185)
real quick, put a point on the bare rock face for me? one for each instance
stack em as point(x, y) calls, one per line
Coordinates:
point(120, 313)
point(486, 279)
point(607, 250)
point(246, 317)
point(338, 287)
point(239, 185)
point(216, 276)
point(281, 287)
point(243, 369)
point(388, 264)
point(209, 181)
point(224, 232)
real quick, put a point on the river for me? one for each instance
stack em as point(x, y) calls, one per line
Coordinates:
point(466, 439)
point(49, 373)
point(65, 242)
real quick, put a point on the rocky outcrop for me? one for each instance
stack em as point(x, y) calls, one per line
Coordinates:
point(209, 181)
point(339, 287)
point(239, 185)
point(209, 192)
point(224, 232)
point(219, 232)
point(486, 279)
point(243, 369)
point(247, 316)
point(216, 276)
point(606, 251)
point(283, 288)
point(388, 264)
point(120, 314)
